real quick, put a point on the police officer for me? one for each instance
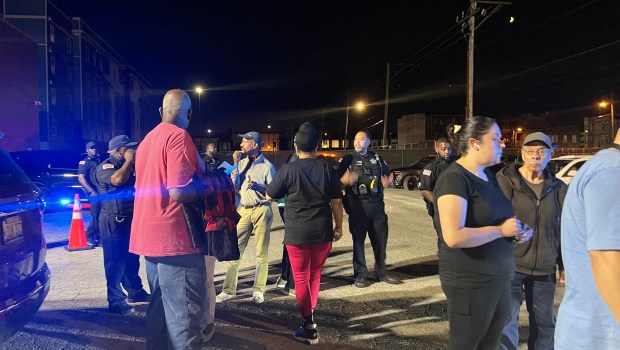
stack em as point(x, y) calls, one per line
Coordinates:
point(87, 178)
point(116, 179)
point(366, 209)
point(431, 171)
point(211, 162)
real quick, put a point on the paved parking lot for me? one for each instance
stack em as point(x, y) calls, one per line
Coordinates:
point(407, 316)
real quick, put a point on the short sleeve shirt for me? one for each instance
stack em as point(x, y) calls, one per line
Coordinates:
point(486, 206)
point(309, 185)
point(114, 199)
point(166, 158)
point(590, 221)
point(87, 167)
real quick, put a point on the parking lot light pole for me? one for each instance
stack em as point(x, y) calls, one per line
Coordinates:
point(611, 116)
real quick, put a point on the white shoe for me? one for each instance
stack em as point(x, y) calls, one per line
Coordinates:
point(288, 291)
point(258, 297)
point(222, 297)
point(280, 283)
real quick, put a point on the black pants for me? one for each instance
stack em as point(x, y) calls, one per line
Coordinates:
point(369, 217)
point(121, 266)
point(92, 232)
point(285, 267)
point(477, 315)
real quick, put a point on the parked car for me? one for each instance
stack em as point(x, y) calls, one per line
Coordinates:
point(55, 173)
point(24, 275)
point(566, 167)
point(330, 158)
point(409, 176)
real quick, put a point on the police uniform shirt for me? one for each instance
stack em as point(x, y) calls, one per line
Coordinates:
point(429, 177)
point(369, 168)
point(115, 199)
point(88, 167)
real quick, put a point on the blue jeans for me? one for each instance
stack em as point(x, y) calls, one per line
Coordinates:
point(175, 316)
point(539, 300)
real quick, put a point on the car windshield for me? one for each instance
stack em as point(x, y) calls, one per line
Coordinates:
point(10, 173)
point(557, 164)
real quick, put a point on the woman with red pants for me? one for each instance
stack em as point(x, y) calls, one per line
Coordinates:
point(312, 190)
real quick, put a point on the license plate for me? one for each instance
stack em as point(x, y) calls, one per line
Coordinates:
point(12, 229)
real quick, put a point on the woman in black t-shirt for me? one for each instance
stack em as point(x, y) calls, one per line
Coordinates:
point(313, 195)
point(476, 230)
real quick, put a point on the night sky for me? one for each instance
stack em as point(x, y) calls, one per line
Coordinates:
point(280, 63)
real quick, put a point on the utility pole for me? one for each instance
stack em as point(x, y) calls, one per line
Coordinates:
point(471, 23)
point(470, 60)
point(346, 123)
point(386, 104)
point(613, 129)
point(322, 119)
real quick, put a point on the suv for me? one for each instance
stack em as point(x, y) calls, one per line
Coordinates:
point(24, 275)
point(55, 172)
point(565, 167)
point(409, 176)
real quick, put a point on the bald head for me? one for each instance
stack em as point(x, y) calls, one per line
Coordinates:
point(176, 108)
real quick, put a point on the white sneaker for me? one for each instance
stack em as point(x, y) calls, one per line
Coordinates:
point(258, 297)
point(222, 297)
point(280, 283)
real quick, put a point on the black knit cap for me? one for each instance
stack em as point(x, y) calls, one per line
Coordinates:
point(306, 138)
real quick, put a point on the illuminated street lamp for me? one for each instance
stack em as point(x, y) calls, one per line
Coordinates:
point(209, 132)
point(199, 91)
point(360, 107)
point(604, 104)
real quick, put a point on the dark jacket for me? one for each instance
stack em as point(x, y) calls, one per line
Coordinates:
point(540, 254)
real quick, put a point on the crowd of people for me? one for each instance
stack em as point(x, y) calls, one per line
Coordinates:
point(499, 234)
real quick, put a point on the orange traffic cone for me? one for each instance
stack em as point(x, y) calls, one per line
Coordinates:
point(77, 234)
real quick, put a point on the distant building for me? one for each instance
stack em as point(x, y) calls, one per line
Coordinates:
point(19, 95)
point(596, 131)
point(420, 130)
point(86, 92)
point(516, 128)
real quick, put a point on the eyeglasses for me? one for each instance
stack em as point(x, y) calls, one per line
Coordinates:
point(532, 152)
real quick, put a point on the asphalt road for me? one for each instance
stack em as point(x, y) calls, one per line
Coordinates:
point(411, 315)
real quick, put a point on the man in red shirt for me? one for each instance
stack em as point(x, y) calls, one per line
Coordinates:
point(165, 162)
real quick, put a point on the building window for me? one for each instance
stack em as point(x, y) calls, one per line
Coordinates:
point(52, 34)
point(69, 46)
point(52, 64)
point(86, 52)
point(574, 138)
point(554, 138)
point(70, 74)
point(53, 96)
point(564, 139)
point(94, 58)
point(70, 102)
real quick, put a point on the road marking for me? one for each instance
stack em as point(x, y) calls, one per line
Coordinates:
point(430, 300)
point(376, 314)
point(407, 322)
point(367, 336)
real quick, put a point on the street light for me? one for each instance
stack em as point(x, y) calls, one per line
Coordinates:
point(209, 132)
point(199, 91)
point(360, 107)
point(611, 116)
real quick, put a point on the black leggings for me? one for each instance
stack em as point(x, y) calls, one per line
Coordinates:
point(477, 315)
